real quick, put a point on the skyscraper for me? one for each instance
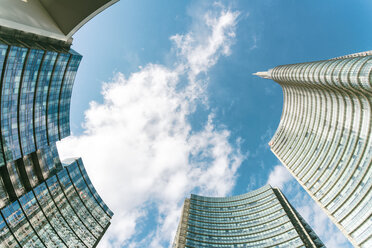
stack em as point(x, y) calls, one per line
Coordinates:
point(43, 202)
point(63, 211)
point(324, 137)
point(261, 218)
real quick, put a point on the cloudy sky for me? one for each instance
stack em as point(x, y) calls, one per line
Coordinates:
point(165, 104)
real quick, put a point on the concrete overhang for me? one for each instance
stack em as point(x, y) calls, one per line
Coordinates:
point(56, 19)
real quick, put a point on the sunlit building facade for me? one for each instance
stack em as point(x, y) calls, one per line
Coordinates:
point(43, 202)
point(260, 218)
point(324, 137)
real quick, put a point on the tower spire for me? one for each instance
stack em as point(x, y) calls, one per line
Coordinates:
point(264, 74)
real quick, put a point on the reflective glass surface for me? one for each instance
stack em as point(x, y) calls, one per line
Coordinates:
point(324, 137)
point(261, 218)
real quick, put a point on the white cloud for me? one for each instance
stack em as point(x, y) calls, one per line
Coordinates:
point(202, 52)
point(139, 147)
point(255, 41)
point(279, 176)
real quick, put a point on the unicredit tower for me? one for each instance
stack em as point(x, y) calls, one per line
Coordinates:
point(324, 137)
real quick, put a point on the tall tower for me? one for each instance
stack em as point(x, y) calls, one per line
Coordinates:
point(324, 137)
point(261, 218)
point(43, 202)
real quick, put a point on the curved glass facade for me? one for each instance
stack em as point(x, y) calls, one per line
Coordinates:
point(324, 137)
point(43, 202)
point(261, 218)
point(36, 83)
point(60, 212)
point(36, 87)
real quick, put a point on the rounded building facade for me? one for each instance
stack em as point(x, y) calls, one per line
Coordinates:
point(43, 202)
point(63, 211)
point(36, 82)
point(324, 137)
point(261, 218)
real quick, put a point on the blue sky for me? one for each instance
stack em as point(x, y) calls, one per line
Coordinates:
point(165, 103)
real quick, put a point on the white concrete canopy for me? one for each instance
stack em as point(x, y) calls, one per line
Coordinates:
point(58, 19)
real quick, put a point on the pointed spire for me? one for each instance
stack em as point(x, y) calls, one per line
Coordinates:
point(264, 74)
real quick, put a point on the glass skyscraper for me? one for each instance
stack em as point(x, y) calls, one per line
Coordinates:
point(43, 202)
point(63, 211)
point(324, 137)
point(260, 218)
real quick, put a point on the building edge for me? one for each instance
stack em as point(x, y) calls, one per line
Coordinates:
point(297, 223)
point(89, 17)
point(180, 238)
